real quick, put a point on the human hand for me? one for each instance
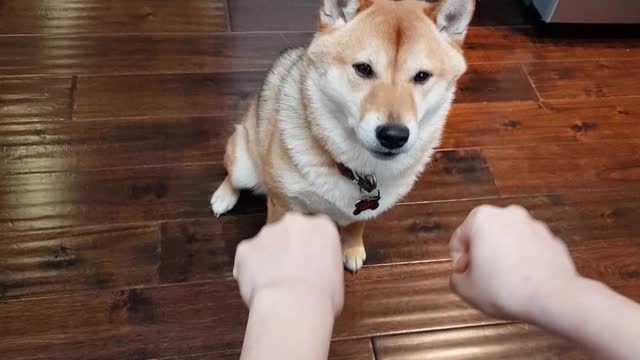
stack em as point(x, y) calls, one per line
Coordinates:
point(505, 262)
point(299, 253)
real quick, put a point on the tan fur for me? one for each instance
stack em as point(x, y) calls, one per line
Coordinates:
point(352, 237)
point(283, 149)
point(394, 101)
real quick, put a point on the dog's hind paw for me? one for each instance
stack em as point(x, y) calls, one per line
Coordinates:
point(224, 199)
point(354, 258)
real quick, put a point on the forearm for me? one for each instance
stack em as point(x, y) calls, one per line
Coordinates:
point(288, 325)
point(590, 314)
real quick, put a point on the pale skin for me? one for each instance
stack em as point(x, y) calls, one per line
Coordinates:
point(505, 263)
point(290, 277)
point(511, 266)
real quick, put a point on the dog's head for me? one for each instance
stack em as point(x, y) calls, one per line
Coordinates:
point(385, 65)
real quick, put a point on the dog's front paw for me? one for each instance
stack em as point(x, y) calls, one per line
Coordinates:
point(224, 199)
point(353, 258)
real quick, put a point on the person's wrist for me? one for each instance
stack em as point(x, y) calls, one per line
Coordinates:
point(553, 297)
point(297, 298)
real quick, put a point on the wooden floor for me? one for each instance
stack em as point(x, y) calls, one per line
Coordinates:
point(113, 117)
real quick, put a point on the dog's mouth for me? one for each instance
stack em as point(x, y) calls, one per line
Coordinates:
point(385, 154)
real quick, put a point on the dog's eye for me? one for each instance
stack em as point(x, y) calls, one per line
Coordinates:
point(421, 77)
point(364, 70)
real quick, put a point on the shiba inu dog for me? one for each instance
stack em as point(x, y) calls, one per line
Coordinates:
point(345, 126)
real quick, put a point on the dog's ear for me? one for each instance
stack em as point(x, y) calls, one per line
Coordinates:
point(336, 13)
point(452, 17)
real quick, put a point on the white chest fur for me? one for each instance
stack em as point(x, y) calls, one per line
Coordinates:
point(330, 193)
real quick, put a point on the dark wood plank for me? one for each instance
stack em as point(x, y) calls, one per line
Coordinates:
point(29, 100)
point(421, 232)
point(549, 122)
point(302, 15)
point(191, 53)
point(388, 299)
point(67, 146)
point(119, 16)
point(495, 82)
point(203, 317)
point(165, 95)
point(204, 248)
point(533, 44)
point(221, 93)
point(45, 263)
point(454, 174)
point(78, 145)
point(359, 349)
point(53, 200)
point(407, 232)
point(512, 341)
point(218, 355)
point(38, 200)
point(585, 79)
point(138, 54)
point(140, 323)
point(565, 168)
point(208, 316)
point(503, 13)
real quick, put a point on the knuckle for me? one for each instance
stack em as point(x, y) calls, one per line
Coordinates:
point(518, 210)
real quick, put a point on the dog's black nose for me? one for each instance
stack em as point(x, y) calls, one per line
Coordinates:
point(392, 136)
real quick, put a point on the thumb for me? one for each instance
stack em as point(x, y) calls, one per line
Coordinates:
point(459, 249)
point(461, 284)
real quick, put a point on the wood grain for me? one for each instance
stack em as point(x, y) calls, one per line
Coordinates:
point(585, 79)
point(37, 200)
point(31, 100)
point(45, 263)
point(165, 95)
point(302, 15)
point(565, 168)
point(223, 93)
point(138, 53)
point(359, 349)
point(201, 53)
point(493, 83)
point(453, 174)
point(388, 299)
point(513, 341)
point(421, 232)
point(533, 44)
point(550, 122)
point(416, 296)
point(113, 119)
point(203, 249)
point(153, 322)
point(119, 16)
point(67, 146)
point(78, 145)
point(204, 317)
point(53, 200)
point(198, 249)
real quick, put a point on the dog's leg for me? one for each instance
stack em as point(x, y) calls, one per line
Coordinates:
point(241, 173)
point(276, 208)
point(353, 253)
